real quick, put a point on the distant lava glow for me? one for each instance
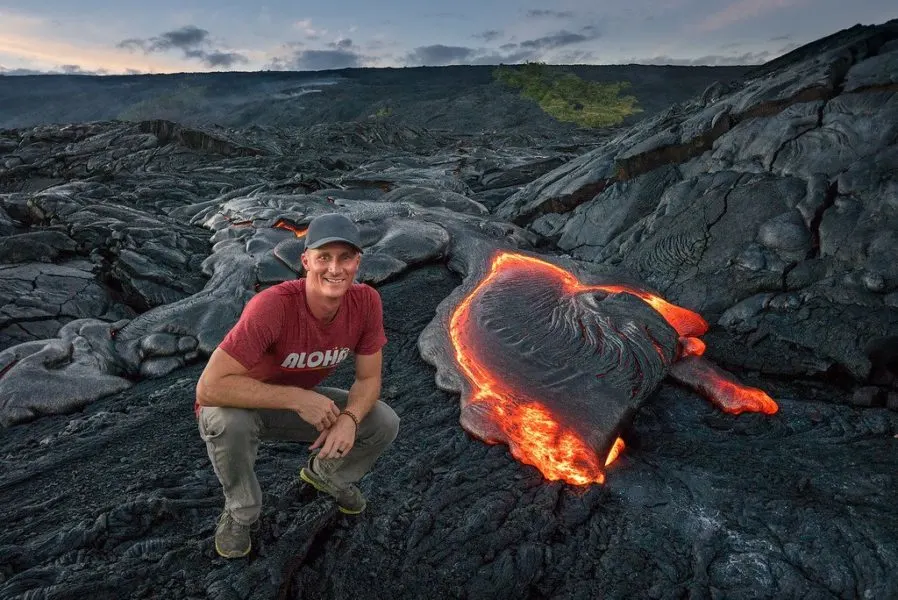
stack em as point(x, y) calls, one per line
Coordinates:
point(284, 224)
point(534, 436)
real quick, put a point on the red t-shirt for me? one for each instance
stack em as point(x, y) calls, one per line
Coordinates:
point(279, 340)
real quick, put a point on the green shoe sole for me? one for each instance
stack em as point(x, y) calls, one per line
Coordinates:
point(311, 481)
point(224, 554)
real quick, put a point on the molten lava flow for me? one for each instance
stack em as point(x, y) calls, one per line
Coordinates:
point(744, 398)
point(284, 224)
point(734, 398)
point(540, 441)
point(534, 436)
point(683, 320)
point(691, 346)
point(721, 388)
point(616, 449)
point(686, 322)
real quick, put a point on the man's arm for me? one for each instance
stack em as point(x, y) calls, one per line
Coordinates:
point(363, 395)
point(365, 390)
point(224, 382)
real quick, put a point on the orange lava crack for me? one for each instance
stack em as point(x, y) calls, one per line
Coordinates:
point(534, 436)
point(284, 224)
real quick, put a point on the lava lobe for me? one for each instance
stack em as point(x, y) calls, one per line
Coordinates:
point(556, 368)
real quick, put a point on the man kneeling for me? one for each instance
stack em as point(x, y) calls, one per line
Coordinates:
point(262, 383)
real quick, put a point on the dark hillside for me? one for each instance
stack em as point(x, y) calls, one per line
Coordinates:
point(464, 99)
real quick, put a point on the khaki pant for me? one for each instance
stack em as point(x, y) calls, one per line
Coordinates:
point(232, 437)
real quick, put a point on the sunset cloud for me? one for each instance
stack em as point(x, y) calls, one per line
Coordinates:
point(43, 53)
point(206, 35)
point(744, 10)
point(192, 41)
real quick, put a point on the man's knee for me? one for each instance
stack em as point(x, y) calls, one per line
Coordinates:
point(391, 427)
point(384, 424)
point(228, 423)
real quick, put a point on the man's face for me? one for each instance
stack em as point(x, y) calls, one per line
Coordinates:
point(331, 269)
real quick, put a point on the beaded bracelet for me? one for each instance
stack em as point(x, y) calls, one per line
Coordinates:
point(352, 416)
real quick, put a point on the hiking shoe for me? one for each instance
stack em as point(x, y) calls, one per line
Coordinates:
point(349, 498)
point(231, 538)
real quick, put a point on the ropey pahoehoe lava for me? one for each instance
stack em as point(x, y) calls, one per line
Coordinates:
point(556, 368)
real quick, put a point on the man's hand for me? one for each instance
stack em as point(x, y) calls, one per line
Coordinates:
point(318, 410)
point(337, 441)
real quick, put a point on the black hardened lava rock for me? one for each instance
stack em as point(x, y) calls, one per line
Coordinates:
point(120, 501)
point(765, 204)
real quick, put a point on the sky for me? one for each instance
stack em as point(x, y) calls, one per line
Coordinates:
point(166, 36)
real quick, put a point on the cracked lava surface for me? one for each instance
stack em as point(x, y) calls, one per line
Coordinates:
point(545, 434)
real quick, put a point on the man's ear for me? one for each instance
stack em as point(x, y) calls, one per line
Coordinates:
point(304, 259)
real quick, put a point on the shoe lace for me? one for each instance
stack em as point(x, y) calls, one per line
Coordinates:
point(228, 521)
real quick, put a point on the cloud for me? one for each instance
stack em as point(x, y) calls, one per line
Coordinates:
point(488, 35)
point(189, 36)
point(341, 44)
point(20, 71)
point(378, 44)
point(743, 10)
point(37, 50)
point(533, 49)
point(224, 59)
point(558, 14)
point(186, 38)
point(132, 44)
point(341, 53)
point(77, 70)
point(61, 70)
point(720, 60)
point(495, 58)
point(438, 54)
point(510, 53)
point(715, 60)
point(317, 60)
point(310, 32)
point(577, 57)
point(191, 41)
point(556, 40)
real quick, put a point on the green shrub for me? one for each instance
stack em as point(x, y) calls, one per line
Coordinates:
point(568, 98)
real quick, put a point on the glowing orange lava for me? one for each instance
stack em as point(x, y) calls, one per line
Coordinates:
point(743, 398)
point(534, 436)
point(683, 320)
point(691, 346)
point(284, 224)
point(540, 441)
point(721, 388)
point(616, 449)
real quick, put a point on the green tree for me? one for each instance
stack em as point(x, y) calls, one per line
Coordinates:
point(569, 98)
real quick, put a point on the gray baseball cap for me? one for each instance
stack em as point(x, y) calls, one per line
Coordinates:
point(332, 227)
